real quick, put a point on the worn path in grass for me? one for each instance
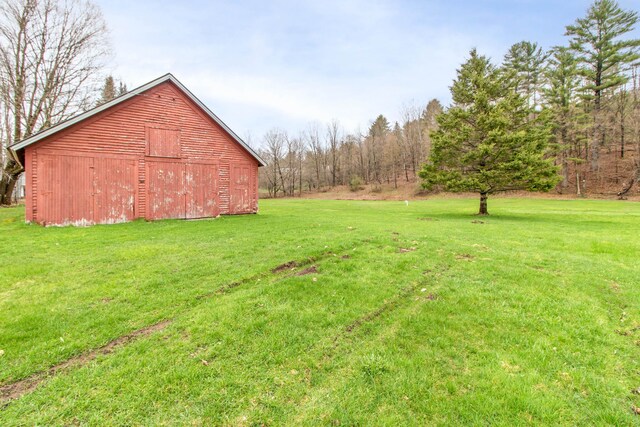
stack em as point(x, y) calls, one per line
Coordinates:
point(414, 315)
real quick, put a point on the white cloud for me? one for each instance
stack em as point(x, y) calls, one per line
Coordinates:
point(285, 63)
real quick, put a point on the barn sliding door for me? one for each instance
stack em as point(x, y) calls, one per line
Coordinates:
point(201, 187)
point(165, 190)
point(83, 190)
point(181, 190)
point(64, 190)
point(240, 199)
point(114, 190)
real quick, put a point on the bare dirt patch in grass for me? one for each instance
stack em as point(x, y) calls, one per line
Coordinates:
point(286, 266)
point(373, 315)
point(309, 270)
point(405, 250)
point(19, 388)
point(628, 332)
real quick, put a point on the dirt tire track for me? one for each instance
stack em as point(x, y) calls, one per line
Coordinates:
point(291, 267)
point(309, 270)
point(388, 306)
point(15, 390)
point(401, 299)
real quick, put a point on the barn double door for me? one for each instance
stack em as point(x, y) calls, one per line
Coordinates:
point(81, 190)
point(181, 190)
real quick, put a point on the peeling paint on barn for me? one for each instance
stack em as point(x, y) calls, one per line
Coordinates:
point(156, 152)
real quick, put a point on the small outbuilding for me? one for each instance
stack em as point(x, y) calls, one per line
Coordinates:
point(156, 152)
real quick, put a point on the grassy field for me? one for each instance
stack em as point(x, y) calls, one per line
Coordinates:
point(389, 315)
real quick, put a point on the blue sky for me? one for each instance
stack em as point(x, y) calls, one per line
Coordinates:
point(284, 64)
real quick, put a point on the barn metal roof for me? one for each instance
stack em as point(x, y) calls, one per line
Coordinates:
point(167, 77)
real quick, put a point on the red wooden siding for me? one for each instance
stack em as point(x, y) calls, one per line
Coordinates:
point(181, 190)
point(75, 204)
point(201, 186)
point(103, 189)
point(240, 188)
point(157, 155)
point(114, 189)
point(165, 194)
point(162, 142)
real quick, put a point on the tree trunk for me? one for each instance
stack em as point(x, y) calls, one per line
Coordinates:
point(627, 187)
point(300, 175)
point(595, 157)
point(483, 204)
point(395, 177)
point(564, 162)
point(622, 140)
point(565, 172)
point(8, 181)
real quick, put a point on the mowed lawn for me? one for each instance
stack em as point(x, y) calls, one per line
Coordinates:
point(408, 315)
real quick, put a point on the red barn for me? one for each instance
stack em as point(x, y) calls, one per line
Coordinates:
point(156, 152)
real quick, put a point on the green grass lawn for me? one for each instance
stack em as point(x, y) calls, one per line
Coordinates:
point(411, 315)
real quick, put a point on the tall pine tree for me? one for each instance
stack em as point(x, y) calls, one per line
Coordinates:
point(486, 141)
point(567, 115)
point(524, 65)
point(109, 90)
point(602, 54)
point(604, 57)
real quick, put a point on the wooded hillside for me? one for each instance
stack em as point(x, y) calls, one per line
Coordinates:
point(588, 90)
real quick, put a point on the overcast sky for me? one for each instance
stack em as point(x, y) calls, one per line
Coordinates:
point(283, 64)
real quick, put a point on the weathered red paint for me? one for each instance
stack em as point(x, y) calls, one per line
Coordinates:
point(240, 188)
point(155, 156)
point(201, 186)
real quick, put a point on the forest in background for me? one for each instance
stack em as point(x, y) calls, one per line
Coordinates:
point(588, 91)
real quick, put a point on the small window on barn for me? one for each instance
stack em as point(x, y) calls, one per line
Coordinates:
point(163, 142)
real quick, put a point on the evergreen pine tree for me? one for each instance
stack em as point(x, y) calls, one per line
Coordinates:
point(602, 55)
point(524, 65)
point(434, 107)
point(122, 89)
point(560, 95)
point(108, 91)
point(486, 142)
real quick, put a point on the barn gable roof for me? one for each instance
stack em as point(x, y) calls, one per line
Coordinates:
point(89, 113)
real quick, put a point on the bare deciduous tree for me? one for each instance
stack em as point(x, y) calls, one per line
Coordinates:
point(317, 153)
point(334, 142)
point(50, 55)
point(274, 143)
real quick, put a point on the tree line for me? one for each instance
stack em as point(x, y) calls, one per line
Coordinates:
point(325, 155)
point(590, 89)
point(587, 92)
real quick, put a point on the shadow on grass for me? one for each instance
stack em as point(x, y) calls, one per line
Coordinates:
point(533, 218)
point(460, 216)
